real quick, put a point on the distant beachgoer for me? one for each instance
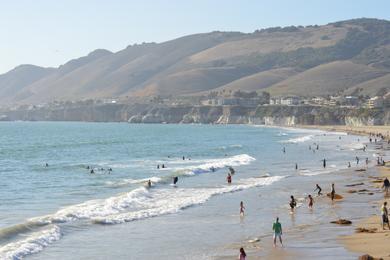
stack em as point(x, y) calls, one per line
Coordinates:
point(278, 232)
point(385, 215)
point(318, 147)
point(349, 164)
point(184, 158)
point(88, 167)
point(310, 201)
point(364, 148)
point(309, 147)
point(242, 208)
point(296, 166)
point(229, 178)
point(367, 161)
point(175, 179)
point(158, 166)
point(386, 185)
point(357, 160)
point(339, 137)
point(149, 184)
point(332, 192)
point(163, 166)
point(319, 190)
point(92, 171)
point(212, 168)
point(284, 149)
point(293, 203)
point(46, 165)
point(242, 255)
point(232, 171)
point(324, 163)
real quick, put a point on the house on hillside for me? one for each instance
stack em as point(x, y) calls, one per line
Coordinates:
point(375, 102)
point(290, 101)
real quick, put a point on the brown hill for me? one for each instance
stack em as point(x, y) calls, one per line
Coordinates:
point(311, 60)
point(326, 79)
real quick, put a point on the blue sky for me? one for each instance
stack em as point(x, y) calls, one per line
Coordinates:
point(51, 32)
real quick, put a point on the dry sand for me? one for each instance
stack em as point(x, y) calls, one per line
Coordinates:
point(360, 130)
point(376, 244)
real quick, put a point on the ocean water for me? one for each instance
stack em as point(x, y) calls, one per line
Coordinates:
point(64, 212)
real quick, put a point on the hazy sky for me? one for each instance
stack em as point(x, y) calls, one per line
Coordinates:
point(51, 32)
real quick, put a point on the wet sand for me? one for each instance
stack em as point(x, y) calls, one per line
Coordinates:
point(374, 241)
point(322, 240)
point(358, 130)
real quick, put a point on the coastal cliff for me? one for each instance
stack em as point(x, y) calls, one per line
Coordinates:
point(155, 113)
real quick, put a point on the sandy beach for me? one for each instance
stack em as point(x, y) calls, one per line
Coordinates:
point(363, 197)
point(373, 240)
point(358, 130)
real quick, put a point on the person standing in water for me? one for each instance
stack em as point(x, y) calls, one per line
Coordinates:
point(324, 163)
point(357, 160)
point(296, 166)
point(310, 201)
point(293, 203)
point(229, 178)
point(319, 190)
point(332, 192)
point(284, 149)
point(349, 164)
point(277, 228)
point(149, 184)
point(242, 255)
point(242, 208)
point(386, 185)
point(175, 179)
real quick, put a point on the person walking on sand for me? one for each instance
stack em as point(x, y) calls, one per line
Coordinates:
point(319, 190)
point(277, 228)
point(332, 192)
point(242, 255)
point(229, 178)
point(310, 201)
point(386, 185)
point(385, 216)
point(293, 203)
point(242, 208)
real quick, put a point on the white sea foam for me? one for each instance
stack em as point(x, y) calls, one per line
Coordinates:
point(300, 139)
point(143, 203)
point(167, 201)
point(215, 164)
point(34, 243)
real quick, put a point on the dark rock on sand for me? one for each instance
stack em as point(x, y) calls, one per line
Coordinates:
point(342, 222)
point(368, 257)
point(355, 184)
point(365, 230)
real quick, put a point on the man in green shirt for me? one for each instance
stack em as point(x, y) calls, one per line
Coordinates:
point(277, 228)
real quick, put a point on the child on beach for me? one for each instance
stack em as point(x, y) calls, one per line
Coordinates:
point(242, 255)
point(310, 201)
point(385, 216)
point(293, 203)
point(229, 178)
point(277, 228)
point(242, 208)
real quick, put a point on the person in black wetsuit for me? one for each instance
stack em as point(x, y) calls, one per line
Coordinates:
point(319, 190)
point(175, 179)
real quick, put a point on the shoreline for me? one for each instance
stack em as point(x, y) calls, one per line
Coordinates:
point(374, 241)
point(355, 130)
point(357, 244)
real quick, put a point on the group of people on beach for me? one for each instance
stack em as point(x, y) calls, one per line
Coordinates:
point(277, 226)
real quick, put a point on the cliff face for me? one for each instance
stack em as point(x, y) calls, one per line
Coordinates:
point(152, 113)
